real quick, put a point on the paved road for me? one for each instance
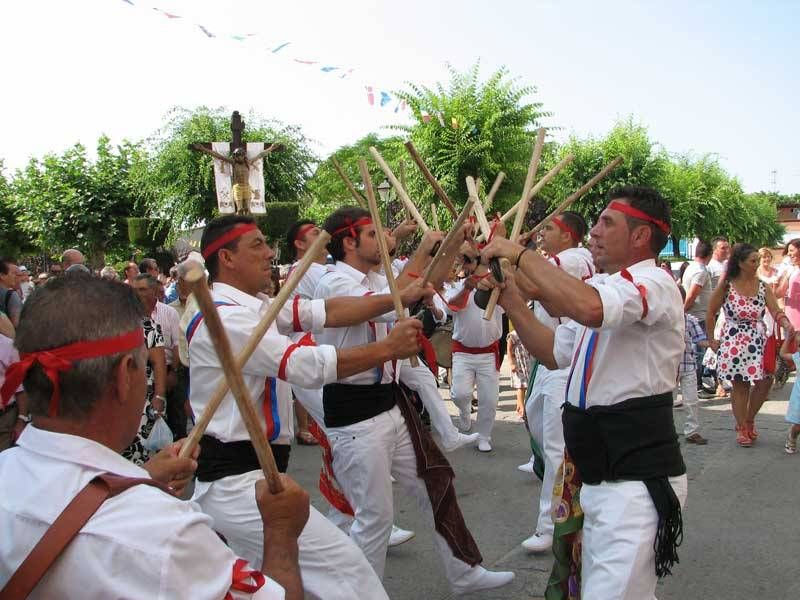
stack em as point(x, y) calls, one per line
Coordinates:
point(741, 522)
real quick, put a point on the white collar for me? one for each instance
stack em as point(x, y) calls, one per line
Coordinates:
point(237, 296)
point(65, 447)
point(342, 267)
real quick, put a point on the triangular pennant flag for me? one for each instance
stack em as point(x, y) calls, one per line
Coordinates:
point(385, 98)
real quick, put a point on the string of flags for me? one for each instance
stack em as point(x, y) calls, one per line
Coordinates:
point(375, 96)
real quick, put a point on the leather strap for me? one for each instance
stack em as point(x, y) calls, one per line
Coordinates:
point(64, 529)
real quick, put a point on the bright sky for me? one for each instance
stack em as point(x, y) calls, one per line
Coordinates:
point(703, 77)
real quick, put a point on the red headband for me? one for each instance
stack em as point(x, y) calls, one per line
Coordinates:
point(350, 226)
point(564, 227)
point(637, 214)
point(55, 360)
point(236, 232)
point(303, 230)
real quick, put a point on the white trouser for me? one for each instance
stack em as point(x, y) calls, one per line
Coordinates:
point(619, 528)
point(421, 380)
point(469, 369)
point(331, 565)
point(688, 384)
point(364, 455)
point(311, 400)
point(544, 406)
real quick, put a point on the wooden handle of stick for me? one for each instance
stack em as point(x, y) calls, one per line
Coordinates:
point(435, 217)
point(602, 174)
point(522, 210)
point(255, 339)
point(437, 188)
point(398, 187)
point(448, 241)
point(234, 376)
point(492, 192)
point(349, 184)
point(387, 263)
point(480, 215)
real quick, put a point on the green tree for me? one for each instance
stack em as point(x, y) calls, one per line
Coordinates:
point(66, 201)
point(473, 128)
point(179, 183)
point(13, 241)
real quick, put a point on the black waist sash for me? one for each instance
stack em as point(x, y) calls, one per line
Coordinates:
point(221, 459)
point(633, 440)
point(347, 404)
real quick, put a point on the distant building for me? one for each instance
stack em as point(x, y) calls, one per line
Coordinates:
point(789, 217)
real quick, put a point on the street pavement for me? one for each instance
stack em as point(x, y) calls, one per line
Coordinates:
point(741, 533)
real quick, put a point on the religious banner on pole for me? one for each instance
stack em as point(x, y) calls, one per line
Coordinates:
point(222, 179)
point(256, 177)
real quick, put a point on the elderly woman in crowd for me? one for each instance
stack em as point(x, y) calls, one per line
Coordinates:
point(743, 299)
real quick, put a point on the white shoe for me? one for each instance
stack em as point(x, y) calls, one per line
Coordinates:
point(399, 536)
point(461, 440)
point(478, 578)
point(526, 468)
point(464, 422)
point(484, 446)
point(538, 542)
point(392, 479)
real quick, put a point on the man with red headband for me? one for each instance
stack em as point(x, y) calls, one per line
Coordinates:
point(374, 431)
point(623, 346)
point(559, 239)
point(238, 260)
point(85, 379)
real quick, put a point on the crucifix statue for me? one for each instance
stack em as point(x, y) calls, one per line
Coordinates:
point(238, 170)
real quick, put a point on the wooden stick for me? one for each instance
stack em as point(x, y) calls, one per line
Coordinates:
point(437, 188)
point(483, 222)
point(349, 184)
point(434, 217)
point(492, 192)
point(521, 211)
point(602, 174)
point(539, 185)
point(255, 338)
point(401, 192)
point(448, 240)
point(404, 183)
point(384, 250)
point(196, 277)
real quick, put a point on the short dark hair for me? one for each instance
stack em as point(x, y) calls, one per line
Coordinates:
point(651, 203)
point(291, 235)
point(147, 263)
point(42, 326)
point(151, 281)
point(215, 230)
point(739, 254)
point(702, 250)
point(5, 262)
point(338, 222)
point(576, 222)
point(719, 238)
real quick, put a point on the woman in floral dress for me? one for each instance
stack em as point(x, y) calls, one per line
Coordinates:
point(154, 405)
point(743, 299)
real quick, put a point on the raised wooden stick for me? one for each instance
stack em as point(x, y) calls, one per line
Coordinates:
point(401, 192)
point(196, 277)
point(448, 241)
point(434, 217)
point(538, 187)
point(487, 205)
point(400, 312)
point(480, 215)
point(521, 211)
point(255, 338)
point(437, 188)
point(349, 184)
point(602, 174)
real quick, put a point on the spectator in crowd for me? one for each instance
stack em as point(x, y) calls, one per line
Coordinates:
point(171, 290)
point(168, 320)
point(24, 283)
point(766, 272)
point(77, 268)
point(10, 301)
point(72, 257)
point(180, 361)
point(149, 266)
point(14, 416)
point(130, 271)
point(694, 340)
point(55, 270)
point(682, 270)
point(520, 369)
point(740, 347)
point(109, 273)
point(667, 268)
point(697, 285)
point(788, 287)
point(721, 250)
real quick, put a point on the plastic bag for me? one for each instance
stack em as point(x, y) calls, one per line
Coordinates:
point(160, 436)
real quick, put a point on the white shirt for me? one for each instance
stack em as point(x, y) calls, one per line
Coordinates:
point(635, 356)
point(305, 289)
point(343, 280)
point(576, 262)
point(142, 543)
point(307, 366)
point(469, 326)
point(716, 268)
point(169, 319)
point(698, 274)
